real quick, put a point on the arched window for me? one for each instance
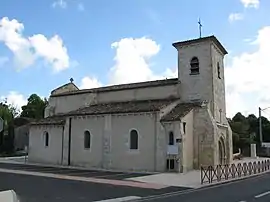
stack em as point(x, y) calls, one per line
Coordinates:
point(171, 138)
point(133, 139)
point(184, 127)
point(46, 138)
point(87, 139)
point(194, 66)
point(218, 70)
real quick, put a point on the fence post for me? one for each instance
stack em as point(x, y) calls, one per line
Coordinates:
point(211, 174)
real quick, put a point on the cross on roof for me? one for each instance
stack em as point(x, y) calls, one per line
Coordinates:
point(200, 27)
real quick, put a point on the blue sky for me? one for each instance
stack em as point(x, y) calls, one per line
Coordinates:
point(73, 38)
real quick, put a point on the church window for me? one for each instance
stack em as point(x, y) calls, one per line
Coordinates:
point(46, 138)
point(184, 127)
point(218, 70)
point(133, 139)
point(87, 139)
point(171, 138)
point(194, 66)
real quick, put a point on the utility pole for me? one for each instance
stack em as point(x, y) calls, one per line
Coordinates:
point(260, 124)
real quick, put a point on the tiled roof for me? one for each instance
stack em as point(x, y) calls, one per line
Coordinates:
point(123, 107)
point(180, 111)
point(20, 121)
point(53, 120)
point(163, 82)
point(212, 38)
point(65, 86)
point(109, 108)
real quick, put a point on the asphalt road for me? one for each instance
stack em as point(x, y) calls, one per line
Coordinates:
point(44, 189)
point(254, 189)
point(72, 172)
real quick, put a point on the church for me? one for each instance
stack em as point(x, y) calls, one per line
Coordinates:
point(170, 125)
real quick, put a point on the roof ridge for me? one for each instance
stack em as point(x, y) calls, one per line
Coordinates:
point(144, 84)
point(197, 40)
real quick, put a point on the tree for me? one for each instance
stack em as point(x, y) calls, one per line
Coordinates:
point(239, 117)
point(246, 130)
point(7, 113)
point(35, 107)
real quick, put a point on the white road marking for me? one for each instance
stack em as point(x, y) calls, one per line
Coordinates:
point(262, 194)
point(127, 198)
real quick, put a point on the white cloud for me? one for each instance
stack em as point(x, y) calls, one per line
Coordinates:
point(80, 7)
point(90, 82)
point(15, 98)
point(52, 49)
point(247, 78)
point(235, 17)
point(64, 4)
point(251, 3)
point(59, 3)
point(132, 61)
point(27, 50)
point(3, 61)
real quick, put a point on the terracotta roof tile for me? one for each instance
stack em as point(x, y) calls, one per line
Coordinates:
point(124, 107)
point(53, 120)
point(109, 108)
point(180, 111)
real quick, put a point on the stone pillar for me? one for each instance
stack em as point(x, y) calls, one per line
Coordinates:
point(180, 156)
point(107, 161)
point(253, 153)
point(65, 140)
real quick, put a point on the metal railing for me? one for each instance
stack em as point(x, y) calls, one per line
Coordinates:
point(210, 174)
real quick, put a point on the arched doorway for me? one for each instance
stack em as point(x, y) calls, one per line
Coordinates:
point(221, 151)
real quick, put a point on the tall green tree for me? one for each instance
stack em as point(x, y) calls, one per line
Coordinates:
point(246, 131)
point(7, 113)
point(35, 107)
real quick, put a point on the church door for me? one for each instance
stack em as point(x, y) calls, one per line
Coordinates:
point(221, 151)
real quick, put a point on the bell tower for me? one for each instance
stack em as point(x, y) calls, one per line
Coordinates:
point(201, 73)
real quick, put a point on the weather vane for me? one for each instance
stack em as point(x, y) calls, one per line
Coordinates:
point(200, 27)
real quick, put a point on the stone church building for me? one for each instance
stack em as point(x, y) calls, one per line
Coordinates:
point(164, 125)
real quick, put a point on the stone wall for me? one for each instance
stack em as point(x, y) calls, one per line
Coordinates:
point(38, 152)
point(63, 104)
point(187, 141)
point(204, 139)
point(110, 141)
point(21, 137)
point(198, 86)
point(219, 112)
